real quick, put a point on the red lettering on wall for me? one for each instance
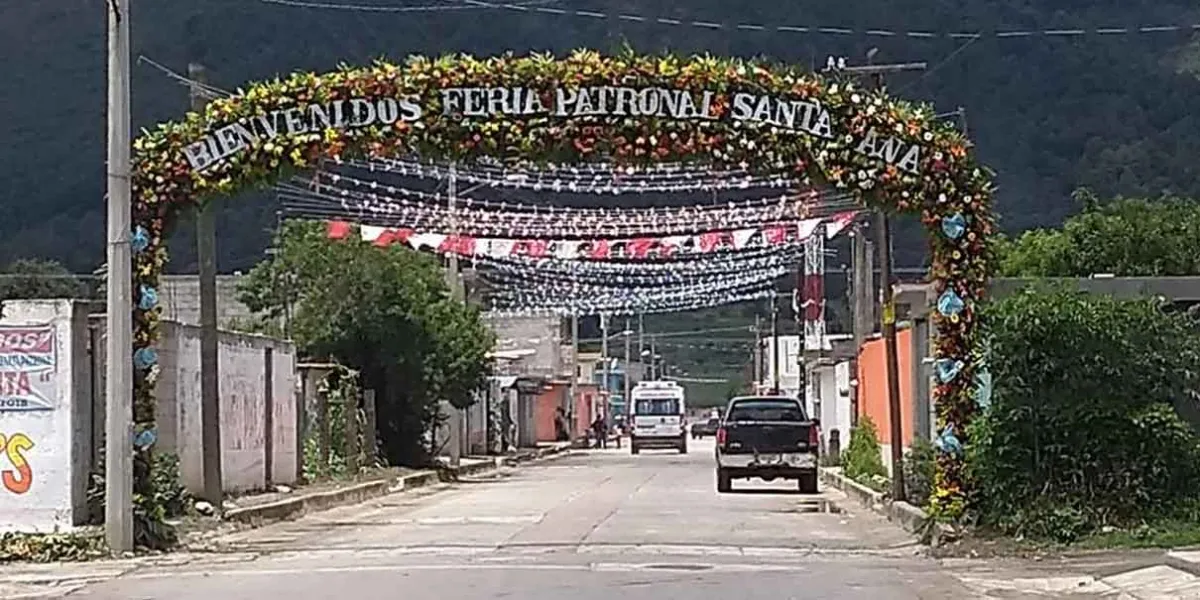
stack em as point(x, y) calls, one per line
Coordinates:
point(15, 383)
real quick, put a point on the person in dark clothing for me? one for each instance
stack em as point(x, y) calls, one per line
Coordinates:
point(600, 429)
point(561, 432)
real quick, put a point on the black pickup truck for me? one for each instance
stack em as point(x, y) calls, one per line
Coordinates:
point(768, 437)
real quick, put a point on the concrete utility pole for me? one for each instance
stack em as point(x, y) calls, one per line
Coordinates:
point(775, 343)
point(574, 361)
point(604, 360)
point(758, 366)
point(452, 277)
point(210, 377)
point(118, 444)
point(628, 333)
point(653, 358)
point(863, 296)
point(642, 342)
point(888, 312)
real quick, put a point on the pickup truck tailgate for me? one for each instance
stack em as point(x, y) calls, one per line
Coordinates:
point(754, 437)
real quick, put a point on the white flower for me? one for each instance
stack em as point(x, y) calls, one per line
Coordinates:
point(855, 98)
point(928, 136)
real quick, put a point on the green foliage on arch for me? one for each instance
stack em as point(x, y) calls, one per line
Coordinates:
point(631, 109)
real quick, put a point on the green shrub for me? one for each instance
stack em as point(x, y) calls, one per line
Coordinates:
point(920, 465)
point(862, 459)
point(1083, 432)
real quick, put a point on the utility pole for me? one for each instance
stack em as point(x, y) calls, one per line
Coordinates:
point(210, 378)
point(863, 296)
point(604, 360)
point(642, 342)
point(452, 278)
point(118, 430)
point(574, 360)
point(888, 311)
point(628, 334)
point(775, 343)
point(758, 357)
point(653, 358)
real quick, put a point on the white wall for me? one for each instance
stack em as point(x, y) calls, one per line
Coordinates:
point(244, 398)
point(45, 415)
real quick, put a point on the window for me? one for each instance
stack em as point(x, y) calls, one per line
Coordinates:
point(766, 410)
point(657, 407)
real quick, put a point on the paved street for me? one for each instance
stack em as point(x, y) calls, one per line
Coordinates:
point(592, 524)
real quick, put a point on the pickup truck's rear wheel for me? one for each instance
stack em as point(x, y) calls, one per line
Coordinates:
point(807, 483)
point(724, 482)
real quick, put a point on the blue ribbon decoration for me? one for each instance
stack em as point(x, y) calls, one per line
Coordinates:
point(948, 443)
point(145, 438)
point(145, 358)
point(949, 304)
point(954, 226)
point(983, 389)
point(948, 368)
point(140, 240)
point(147, 297)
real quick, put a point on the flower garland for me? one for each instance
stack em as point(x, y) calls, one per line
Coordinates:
point(272, 128)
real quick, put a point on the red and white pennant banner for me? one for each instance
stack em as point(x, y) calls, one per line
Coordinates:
point(602, 249)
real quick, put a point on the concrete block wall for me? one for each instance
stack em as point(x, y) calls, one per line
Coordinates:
point(180, 298)
point(248, 455)
point(246, 397)
point(543, 335)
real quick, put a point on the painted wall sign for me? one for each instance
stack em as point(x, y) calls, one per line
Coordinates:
point(797, 115)
point(27, 368)
point(17, 475)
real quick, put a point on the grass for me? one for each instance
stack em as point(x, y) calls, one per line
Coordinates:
point(52, 547)
point(1163, 534)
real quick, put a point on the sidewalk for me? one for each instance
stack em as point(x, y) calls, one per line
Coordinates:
point(1133, 575)
point(273, 506)
point(27, 581)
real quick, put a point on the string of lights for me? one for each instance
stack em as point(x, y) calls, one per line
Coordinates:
point(596, 178)
point(577, 292)
point(576, 269)
point(632, 308)
point(422, 210)
point(629, 282)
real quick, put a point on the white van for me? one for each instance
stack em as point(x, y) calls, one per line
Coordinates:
point(656, 411)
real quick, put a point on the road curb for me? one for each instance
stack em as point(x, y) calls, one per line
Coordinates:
point(1185, 560)
point(910, 518)
point(291, 508)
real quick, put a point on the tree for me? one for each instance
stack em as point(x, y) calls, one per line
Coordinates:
point(1125, 237)
point(1084, 427)
point(32, 278)
point(384, 311)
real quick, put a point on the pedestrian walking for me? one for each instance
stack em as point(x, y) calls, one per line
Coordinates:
point(600, 429)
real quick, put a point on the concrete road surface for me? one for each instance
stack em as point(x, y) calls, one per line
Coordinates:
point(592, 525)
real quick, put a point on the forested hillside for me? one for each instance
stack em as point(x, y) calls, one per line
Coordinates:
point(1116, 112)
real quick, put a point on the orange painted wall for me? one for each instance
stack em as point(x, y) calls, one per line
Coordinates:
point(544, 410)
point(872, 386)
point(548, 402)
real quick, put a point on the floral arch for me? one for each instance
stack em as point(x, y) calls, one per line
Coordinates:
point(824, 130)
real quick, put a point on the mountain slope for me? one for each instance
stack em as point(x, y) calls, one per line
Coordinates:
point(1049, 114)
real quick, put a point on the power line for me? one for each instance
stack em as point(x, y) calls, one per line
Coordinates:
point(373, 8)
point(205, 89)
point(853, 31)
point(383, 8)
